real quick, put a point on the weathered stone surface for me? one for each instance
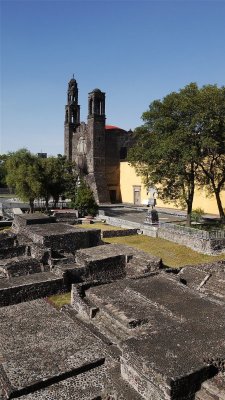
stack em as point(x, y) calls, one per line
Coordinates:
point(21, 221)
point(101, 264)
point(202, 244)
point(69, 216)
point(85, 386)
point(96, 150)
point(29, 287)
point(133, 332)
point(213, 389)
point(208, 278)
point(132, 261)
point(51, 346)
point(177, 334)
point(118, 233)
point(7, 240)
point(15, 251)
point(63, 237)
point(19, 266)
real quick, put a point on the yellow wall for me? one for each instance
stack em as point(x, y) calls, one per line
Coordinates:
point(129, 179)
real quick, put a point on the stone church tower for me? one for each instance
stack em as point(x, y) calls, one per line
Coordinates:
point(96, 145)
point(96, 148)
point(85, 143)
point(72, 117)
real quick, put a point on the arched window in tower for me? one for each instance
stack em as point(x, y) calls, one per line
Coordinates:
point(98, 107)
point(90, 107)
point(74, 117)
point(66, 116)
point(102, 107)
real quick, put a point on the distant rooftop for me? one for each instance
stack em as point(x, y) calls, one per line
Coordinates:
point(111, 127)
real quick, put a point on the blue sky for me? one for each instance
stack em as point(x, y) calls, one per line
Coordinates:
point(135, 51)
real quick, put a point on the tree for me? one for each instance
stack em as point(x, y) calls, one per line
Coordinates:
point(212, 142)
point(3, 158)
point(56, 175)
point(23, 174)
point(167, 149)
point(33, 177)
point(84, 200)
point(182, 144)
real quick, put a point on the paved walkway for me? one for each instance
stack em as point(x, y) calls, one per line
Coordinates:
point(135, 214)
point(138, 213)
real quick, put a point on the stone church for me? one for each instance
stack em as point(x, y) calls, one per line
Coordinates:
point(96, 148)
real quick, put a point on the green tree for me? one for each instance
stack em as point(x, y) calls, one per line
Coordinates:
point(56, 174)
point(3, 158)
point(84, 200)
point(167, 149)
point(182, 145)
point(23, 174)
point(212, 142)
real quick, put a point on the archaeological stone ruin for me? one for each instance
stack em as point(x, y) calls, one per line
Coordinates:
point(134, 329)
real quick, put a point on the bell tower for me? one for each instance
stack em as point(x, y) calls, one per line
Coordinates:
point(72, 117)
point(96, 146)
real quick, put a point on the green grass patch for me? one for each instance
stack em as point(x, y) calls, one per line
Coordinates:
point(99, 225)
point(60, 300)
point(172, 254)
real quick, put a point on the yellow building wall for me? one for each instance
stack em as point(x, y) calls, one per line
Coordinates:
point(129, 179)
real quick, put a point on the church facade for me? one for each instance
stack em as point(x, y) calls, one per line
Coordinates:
point(96, 148)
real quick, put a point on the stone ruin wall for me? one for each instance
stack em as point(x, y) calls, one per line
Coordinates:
point(205, 246)
point(91, 267)
point(30, 289)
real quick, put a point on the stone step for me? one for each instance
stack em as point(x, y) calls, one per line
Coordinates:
point(140, 265)
point(117, 388)
point(204, 395)
point(216, 386)
point(112, 330)
point(136, 267)
point(216, 290)
point(212, 389)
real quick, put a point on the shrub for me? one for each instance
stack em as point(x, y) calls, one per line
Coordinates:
point(196, 215)
point(84, 201)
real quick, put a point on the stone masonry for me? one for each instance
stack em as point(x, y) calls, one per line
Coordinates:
point(96, 148)
point(133, 330)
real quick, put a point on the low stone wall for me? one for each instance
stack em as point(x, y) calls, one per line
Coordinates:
point(63, 237)
point(40, 252)
point(10, 252)
point(20, 266)
point(119, 233)
point(98, 264)
point(121, 222)
point(21, 290)
point(203, 244)
point(217, 245)
point(149, 230)
point(195, 242)
point(78, 302)
point(23, 220)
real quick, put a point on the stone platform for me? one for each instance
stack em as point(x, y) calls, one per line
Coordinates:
point(175, 337)
point(205, 278)
point(133, 331)
point(50, 349)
